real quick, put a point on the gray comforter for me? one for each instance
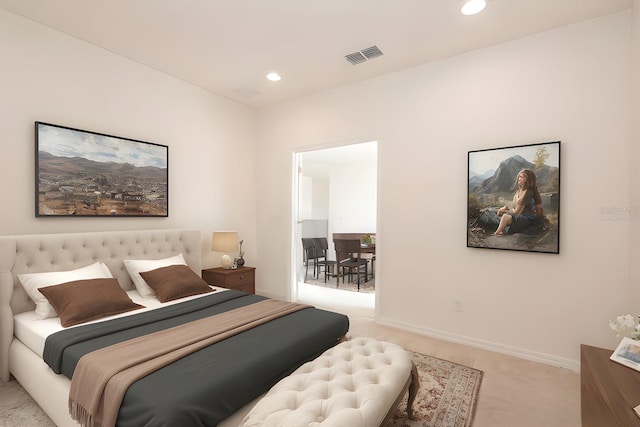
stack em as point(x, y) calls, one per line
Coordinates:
point(207, 386)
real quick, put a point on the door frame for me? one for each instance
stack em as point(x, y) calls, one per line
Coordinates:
point(296, 223)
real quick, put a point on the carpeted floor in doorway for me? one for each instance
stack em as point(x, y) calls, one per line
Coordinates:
point(367, 287)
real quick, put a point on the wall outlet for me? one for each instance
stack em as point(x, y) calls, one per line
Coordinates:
point(458, 305)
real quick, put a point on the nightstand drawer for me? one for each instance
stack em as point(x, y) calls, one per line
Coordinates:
point(240, 278)
point(248, 288)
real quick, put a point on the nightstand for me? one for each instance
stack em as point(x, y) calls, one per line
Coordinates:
point(241, 278)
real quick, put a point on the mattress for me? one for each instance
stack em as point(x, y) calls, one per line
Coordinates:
point(33, 331)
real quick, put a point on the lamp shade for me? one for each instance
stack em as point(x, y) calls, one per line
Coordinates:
point(225, 241)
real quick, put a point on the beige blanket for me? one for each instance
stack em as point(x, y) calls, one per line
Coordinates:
point(102, 377)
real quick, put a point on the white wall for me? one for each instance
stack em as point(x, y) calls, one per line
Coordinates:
point(314, 197)
point(51, 77)
point(570, 84)
point(305, 203)
point(634, 155)
point(353, 198)
point(321, 194)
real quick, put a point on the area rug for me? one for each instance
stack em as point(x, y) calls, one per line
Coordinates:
point(447, 396)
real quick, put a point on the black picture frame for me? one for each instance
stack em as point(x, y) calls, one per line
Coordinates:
point(492, 184)
point(80, 173)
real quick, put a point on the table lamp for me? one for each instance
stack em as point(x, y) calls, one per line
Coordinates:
point(225, 241)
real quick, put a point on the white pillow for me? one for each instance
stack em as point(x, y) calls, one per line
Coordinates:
point(32, 281)
point(135, 266)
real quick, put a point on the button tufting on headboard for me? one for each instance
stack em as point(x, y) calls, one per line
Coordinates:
point(60, 252)
point(68, 251)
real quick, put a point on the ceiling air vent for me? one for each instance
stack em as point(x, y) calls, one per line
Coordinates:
point(246, 91)
point(364, 55)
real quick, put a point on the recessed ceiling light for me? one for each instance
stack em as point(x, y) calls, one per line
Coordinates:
point(472, 7)
point(274, 77)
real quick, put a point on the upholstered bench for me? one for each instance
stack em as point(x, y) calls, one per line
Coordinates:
point(357, 383)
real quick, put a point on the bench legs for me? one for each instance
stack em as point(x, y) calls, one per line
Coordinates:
point(414, 385)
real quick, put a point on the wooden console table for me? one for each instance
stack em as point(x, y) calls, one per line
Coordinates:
point(608, 390)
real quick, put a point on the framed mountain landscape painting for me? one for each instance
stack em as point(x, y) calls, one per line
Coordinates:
point(82, 173)
point(513, 198)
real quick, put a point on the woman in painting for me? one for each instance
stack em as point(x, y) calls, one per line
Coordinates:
point(527, 206)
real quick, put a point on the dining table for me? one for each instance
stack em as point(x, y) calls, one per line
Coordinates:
point(368, 249)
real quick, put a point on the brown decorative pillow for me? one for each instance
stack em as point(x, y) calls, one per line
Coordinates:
point(175, 281)
point(84, 300)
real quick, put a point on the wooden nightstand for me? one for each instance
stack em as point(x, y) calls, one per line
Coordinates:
point(241, 278)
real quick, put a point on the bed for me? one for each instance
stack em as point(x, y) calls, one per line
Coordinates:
point(267, 352)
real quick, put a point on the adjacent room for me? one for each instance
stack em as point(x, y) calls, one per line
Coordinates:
point(336, 199)
point(216, 102)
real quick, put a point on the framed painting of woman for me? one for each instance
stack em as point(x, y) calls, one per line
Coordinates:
point(513, 198)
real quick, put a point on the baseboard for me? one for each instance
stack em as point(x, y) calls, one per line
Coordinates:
point(521, 353)
point(271, 295)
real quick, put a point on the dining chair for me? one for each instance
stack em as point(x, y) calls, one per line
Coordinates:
point(309, 256)
point(322, 246)
point(368, 243)
point(370, 258)
point(349, 261)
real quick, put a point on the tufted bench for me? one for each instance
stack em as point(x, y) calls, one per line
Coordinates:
point(357, 383)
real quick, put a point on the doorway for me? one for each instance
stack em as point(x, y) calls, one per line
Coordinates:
point(335, 191)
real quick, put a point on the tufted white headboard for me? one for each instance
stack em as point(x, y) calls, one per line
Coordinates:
point(60, 252)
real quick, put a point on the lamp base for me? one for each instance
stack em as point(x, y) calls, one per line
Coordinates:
point(226, 261)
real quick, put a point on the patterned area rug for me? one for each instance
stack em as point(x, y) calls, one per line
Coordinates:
point(447, 396)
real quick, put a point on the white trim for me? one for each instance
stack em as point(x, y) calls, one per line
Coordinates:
point(272, 295)
point(333, 144)
point(521, 353)
point(295, 227)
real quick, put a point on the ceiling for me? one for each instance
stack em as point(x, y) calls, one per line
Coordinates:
point(319, 163)
point(228, 46)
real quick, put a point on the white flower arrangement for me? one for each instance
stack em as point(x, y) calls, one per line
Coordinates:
point(626, 325)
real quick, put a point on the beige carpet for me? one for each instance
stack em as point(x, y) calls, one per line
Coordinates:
point(514, 392)
point(18, 409)
point(447, 396)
